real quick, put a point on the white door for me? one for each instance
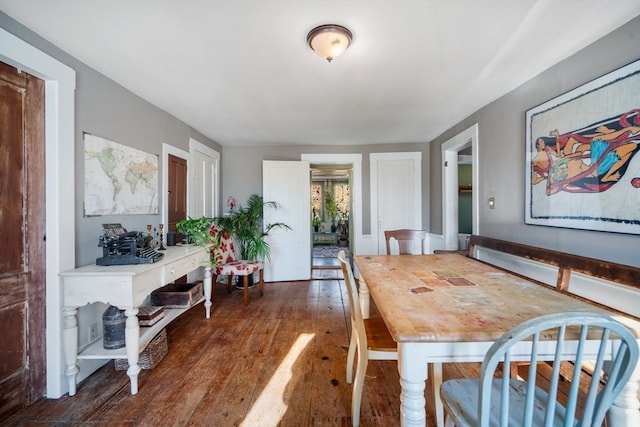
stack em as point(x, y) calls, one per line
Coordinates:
point(396, 193)
point(203, 189)
point(289, 184)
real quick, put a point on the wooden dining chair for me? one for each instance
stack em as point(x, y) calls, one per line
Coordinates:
point(369, 337)
point(512, 402)
point(406, 239)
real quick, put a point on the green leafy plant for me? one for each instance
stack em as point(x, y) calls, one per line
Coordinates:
point(246, 227)
point(195, 230)
point(331, 206)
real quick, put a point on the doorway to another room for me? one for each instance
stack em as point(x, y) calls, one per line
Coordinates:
point(331, 210)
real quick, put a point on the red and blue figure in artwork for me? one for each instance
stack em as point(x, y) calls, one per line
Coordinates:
point(589, 160)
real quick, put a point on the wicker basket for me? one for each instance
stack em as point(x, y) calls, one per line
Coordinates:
point(150, 356)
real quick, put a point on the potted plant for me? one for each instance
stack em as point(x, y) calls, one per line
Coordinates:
point(195, 230)
point(332, 210)
point(316, 222)
point(247, 229)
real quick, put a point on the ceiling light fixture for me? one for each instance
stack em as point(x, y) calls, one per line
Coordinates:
point(329, 41)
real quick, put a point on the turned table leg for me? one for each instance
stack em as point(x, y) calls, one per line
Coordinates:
point(364, 298)
point(70, 337)
point(132, 342)
point(207, 292)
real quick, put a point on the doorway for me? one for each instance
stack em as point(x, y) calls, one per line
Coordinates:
point(331, 214)
point(451, 151)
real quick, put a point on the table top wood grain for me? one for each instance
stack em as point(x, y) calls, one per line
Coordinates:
point(453, 298)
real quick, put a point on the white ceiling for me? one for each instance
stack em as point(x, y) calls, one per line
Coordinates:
point(241, 72)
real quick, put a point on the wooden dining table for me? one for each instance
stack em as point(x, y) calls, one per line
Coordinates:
point(451, 308)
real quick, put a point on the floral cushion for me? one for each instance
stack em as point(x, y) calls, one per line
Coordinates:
point(223, 258)
point(239, 268)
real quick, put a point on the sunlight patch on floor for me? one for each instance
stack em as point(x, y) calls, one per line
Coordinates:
point(270, 406)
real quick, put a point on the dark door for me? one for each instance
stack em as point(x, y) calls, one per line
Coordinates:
point(22, 227)
point(177, 197)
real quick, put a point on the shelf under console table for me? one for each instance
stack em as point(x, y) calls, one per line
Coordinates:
point(126, 287)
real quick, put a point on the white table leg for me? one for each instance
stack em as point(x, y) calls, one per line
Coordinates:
point(70, 337)
point(624, 411)
point(132, 342)
point(365, 297)
point(207, 291)
point(412, 366)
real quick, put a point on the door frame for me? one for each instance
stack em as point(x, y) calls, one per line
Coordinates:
point(355, 160)
point(60, 84)
point(450, 149)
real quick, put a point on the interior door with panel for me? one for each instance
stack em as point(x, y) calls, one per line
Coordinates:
point(288, 184)
point(22, 233)
point(177, 191)
point(203, 188)
point(396, 194)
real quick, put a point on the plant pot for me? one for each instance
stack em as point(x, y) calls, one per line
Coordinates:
point(240, 282)
point(315, 228)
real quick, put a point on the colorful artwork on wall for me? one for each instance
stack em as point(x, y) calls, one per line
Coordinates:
point(583, 167)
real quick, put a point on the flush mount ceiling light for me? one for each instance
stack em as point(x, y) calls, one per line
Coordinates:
point(329, 41)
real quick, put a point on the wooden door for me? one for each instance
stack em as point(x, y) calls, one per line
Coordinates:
point(22, 234)
point(203, 186)
point(289, 184)
point(396, 194)
point(177, 191)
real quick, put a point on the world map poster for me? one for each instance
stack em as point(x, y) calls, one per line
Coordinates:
point(119, 180)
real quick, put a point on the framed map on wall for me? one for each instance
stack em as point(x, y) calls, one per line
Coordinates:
point(582, 162)
point(118, 180)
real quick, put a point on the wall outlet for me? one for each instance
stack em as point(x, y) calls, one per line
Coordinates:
point(93, 332)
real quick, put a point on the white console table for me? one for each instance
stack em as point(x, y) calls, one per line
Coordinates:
point(126, 287)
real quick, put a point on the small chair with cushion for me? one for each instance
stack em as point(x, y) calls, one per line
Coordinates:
point(225, 263)
point(407, 240)
point(493, 401)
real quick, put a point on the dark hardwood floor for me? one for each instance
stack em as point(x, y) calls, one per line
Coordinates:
point(280, 361)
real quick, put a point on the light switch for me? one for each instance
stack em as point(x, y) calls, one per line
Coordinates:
point(492, 202)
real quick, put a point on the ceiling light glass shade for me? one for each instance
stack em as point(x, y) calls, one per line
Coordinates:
point(329, 41)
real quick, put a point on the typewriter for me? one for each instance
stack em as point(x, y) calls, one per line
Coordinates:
point(121, 247)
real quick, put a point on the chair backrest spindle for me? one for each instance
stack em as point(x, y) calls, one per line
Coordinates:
point(589, 337)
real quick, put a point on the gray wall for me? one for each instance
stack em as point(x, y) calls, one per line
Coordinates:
point(502, 154)
point(108, 110)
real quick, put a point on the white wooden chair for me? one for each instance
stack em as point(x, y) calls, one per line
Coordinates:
point(370, 337)
point(407, 240)
point(490, 401)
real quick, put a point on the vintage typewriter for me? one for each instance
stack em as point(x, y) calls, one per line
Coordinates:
point(120, 247)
